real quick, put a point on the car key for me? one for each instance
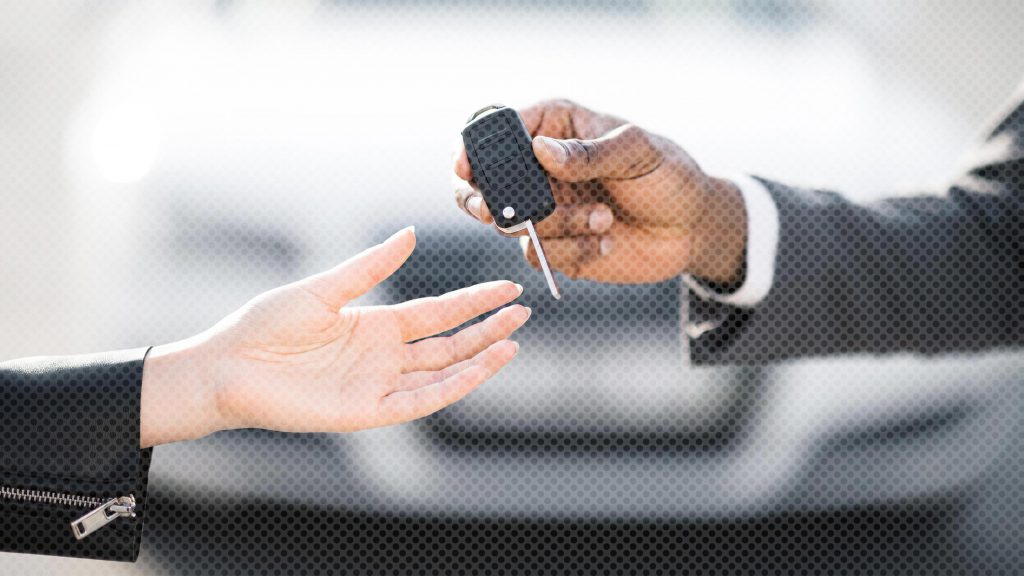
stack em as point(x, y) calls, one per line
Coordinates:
point(514, 185)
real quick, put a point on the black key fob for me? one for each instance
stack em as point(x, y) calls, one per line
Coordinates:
point(514, 185)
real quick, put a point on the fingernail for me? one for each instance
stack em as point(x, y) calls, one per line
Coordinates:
point(516, 344)
point(519, 287)
point(529, 312)
point(473, 205)
point(405, 230)
point(600, 219)
point(606, 245)
point(555, 150)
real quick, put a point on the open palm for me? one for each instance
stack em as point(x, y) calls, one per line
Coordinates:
point(298, 359)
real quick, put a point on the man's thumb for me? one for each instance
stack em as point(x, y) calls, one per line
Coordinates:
point(626, 152)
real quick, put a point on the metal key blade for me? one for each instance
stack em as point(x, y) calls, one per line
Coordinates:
point(552, 285)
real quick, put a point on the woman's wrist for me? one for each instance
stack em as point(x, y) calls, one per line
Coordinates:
point(178, 394)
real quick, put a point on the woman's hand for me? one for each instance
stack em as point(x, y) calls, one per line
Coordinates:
point(633, 207)
point(298, 359)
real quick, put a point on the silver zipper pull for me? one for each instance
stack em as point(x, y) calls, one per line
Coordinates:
point(110, 510)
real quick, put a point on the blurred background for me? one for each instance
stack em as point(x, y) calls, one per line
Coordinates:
point(162, 162)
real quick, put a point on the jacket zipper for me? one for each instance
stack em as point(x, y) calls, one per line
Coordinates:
point(103, 511)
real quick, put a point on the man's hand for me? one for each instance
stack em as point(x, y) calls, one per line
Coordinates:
point(299, 359)
point(633, 207)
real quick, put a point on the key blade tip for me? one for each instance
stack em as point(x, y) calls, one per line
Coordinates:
point(548, 276)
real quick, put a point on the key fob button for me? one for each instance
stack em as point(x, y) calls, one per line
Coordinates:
point(496, 147)
point(500, 152)
point(500, 156)
point(505, 172)
point(509, 177)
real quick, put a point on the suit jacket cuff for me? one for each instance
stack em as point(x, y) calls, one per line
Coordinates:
point(762, 242)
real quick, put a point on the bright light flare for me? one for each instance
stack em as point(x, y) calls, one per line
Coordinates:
point(125, 141)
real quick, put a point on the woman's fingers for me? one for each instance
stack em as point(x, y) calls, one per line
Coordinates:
point(428, 316)
point(443, 351)
point(410, 403)
point(414, 380)
point(357, 275)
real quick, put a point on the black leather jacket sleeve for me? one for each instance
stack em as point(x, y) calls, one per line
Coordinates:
point(69, 436)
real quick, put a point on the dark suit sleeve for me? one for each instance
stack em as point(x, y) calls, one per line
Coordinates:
point(926, 274)
point(69, 435)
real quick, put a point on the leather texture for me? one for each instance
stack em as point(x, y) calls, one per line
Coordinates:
point(71, 425)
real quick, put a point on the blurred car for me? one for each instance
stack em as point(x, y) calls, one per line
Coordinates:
point(600, 428)
point(599, 449)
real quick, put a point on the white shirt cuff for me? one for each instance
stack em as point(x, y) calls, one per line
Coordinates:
point(762, 242)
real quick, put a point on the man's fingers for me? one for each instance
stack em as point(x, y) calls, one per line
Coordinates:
point(443, 351)
point(416, 402)
point(562, 118)
point(467, 197)
point(477, 208)
point(551, 118)
point(470, 200)
point(625, 255)
point(428, 316)
point(357, 275)
point(462, 168)
point(577, 219)
point(625, 152)
point(569, 255)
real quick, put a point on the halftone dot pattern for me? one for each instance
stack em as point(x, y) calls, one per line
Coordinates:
point(863, 417)
point(503, 161)
point(86, 446)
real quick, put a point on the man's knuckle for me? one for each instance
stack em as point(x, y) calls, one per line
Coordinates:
point(582, 220)
point(565, 221)
point(591, 150)
point(560, 104)
point(588, 247)
point(632, 132)
point(576, 150)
